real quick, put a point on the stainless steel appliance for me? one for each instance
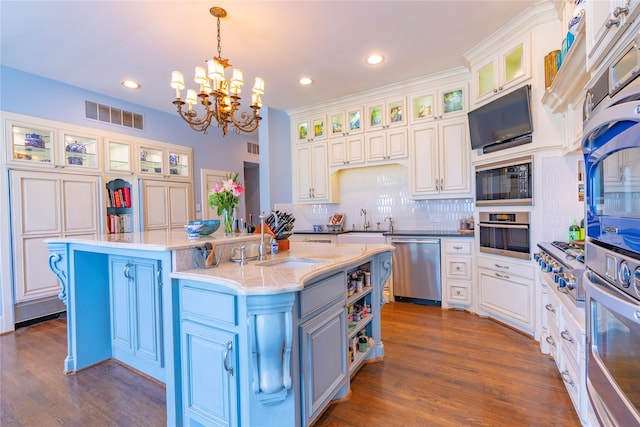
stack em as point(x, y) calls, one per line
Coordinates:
point(505, 183)
point(505, 233)
point(564, 262)
point(611, 145)
point(416, 270)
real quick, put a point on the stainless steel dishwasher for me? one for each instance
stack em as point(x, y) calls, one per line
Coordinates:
point(416, 270)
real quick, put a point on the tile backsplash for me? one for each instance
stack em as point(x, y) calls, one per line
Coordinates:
point(383, 192)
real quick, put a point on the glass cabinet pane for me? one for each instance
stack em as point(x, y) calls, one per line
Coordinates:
point(151, 160)
point(80, 151)
point(178, 164)
point(485, 79)
point(514, 63)
point(355, 120)
point(119, 157)
point(32, 144)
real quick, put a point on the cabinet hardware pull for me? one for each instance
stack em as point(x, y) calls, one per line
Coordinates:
point(566, 377)
point(550, 308)
point(620, 10)
point(504, 276)
point(566, 336)
point(457, 247)
point(506, 267)
point(227, 350)
point(550, 340)
point(612, 22)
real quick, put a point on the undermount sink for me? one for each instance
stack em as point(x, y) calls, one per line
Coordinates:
point(291, 263)
point(361, 237)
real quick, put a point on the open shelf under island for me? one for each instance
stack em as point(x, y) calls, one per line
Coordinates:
point(239, 344)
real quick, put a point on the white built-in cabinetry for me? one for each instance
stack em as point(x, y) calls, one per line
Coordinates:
point(166, 205)
point(564, 338)
point(311, 128)
point(312, 181)
point(504, 67)
point(457, 268)
point(386, 145)
point(439, 159)
point(506, 291)
point(345, 122)
point(46, 205)
point(347, 150)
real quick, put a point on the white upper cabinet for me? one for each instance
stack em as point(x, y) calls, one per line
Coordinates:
point(310, 129)
point(346, 122)
point(606, 21)
point(346, 151)
point(388, 145)
point(385, 114)
point(438, 104)
point(164, 162)
point(37, 144)
point(312, 182)
point(119, 156)
point(508, 67)
point(440, 160)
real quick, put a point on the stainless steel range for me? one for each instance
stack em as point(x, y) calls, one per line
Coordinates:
point(565, 263)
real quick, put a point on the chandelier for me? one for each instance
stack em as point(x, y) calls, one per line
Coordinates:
point(218, 96)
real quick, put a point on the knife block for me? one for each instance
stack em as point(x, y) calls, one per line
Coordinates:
point(283, 245)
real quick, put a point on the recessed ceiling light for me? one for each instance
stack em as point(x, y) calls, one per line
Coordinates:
point(305, 81)
point(130, 84)
point(375, 59)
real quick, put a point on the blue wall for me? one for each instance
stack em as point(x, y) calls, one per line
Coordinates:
point(36, 96)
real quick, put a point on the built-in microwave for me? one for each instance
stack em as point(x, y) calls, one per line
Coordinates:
point(506, 183)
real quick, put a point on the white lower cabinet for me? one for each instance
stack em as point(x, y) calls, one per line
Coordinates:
point(46, 205)
point(136, 321)
point(457, 267)
point(565, 323)
point(440, 160)
point(166, 205)
point(506, 292)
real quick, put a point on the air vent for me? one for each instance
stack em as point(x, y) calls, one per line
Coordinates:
point(116, 116)
point(253, 148)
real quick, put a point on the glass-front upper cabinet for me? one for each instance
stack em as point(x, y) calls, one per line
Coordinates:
point(151, 160)
point(179, 164)
point(80, 151)
point(30, 144)
point(119, 156)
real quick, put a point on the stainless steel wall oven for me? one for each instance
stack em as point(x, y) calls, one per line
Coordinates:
point(505, 233)
point(611, 144)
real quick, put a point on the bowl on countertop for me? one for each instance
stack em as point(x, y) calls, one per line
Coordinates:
point(208, 225)
point(193, 230)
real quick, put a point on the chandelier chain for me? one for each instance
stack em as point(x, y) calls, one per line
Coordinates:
point(219, 48)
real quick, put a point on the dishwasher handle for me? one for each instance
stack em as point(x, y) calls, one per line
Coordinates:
point(425, 241)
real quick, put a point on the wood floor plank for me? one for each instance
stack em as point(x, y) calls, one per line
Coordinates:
point(441, 368)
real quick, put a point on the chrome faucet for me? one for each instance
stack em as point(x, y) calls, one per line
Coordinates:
point(243, 254)
point(390, 223)
point(366, 224)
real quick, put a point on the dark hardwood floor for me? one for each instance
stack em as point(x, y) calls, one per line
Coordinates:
point(441, 368)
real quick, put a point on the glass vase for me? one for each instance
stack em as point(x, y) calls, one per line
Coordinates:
point(227, 222)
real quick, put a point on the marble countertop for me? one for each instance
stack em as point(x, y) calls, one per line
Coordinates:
point(154, 240)
point(397, 233)
point(260, 278)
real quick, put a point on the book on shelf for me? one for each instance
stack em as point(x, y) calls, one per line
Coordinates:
point(126, 192)
point(121, 223)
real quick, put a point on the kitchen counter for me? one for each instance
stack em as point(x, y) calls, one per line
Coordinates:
point(398, 233)
point(137, 298)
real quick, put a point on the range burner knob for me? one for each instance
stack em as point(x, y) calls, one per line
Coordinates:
point(624, 274)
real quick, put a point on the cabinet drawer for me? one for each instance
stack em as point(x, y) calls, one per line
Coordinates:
point(511, 268)
point(210, 305)
point(459, 268)
point(318, 294)
point(459, 292)
point(573, 339)
point(457, 247)
point(571, 377)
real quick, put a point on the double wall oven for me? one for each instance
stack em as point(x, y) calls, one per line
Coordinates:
point(611, 144)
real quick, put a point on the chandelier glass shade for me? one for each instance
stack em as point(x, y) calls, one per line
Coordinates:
point(217, 96)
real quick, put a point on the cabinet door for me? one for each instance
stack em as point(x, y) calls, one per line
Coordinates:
point(118, 157)
point(79, 151)
point(180, 164)
point(376, 146)
point(508, 297)
point(323, 359)
point(155, 204)
point(320, 171)
point(145, 305)
point(30, 144)
point(455, 168)
point(121, 297)
point(179, 205)
point(302, 170)
point(80, 204)
point(151, 161)
point(354, 149)
point(515, 64)
point(423, 172)
point(338, 152)
point(209, 375)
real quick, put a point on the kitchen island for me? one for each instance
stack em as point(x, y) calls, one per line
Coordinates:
point(276, 339)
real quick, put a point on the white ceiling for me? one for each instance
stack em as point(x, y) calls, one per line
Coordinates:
point(96, 44)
